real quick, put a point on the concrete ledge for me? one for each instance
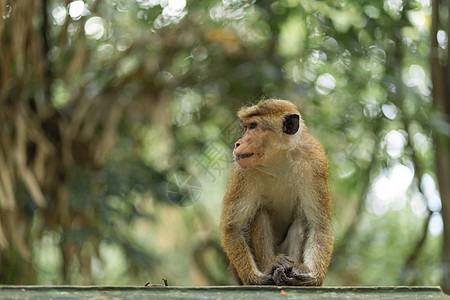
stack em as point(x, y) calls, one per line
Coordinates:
point(218, 292)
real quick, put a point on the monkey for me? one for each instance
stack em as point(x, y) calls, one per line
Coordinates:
point(276, 221)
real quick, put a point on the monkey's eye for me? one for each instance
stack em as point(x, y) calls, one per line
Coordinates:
point(253, 125)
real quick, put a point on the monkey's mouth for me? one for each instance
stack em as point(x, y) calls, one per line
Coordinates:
point(241, 156)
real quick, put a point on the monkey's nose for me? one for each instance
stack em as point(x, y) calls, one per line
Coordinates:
point(236, 145)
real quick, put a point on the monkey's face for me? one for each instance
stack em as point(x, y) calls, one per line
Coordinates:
point(264, 139)
point(248, 149)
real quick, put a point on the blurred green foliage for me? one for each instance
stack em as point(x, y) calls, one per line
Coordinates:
point(137, 99)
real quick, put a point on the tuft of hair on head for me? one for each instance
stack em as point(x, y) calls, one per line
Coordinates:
point(269, 107)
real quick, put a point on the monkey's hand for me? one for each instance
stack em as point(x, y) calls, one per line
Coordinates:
point(281, 266)
point(300, 275)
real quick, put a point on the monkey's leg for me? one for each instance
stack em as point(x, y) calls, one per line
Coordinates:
point(261, 240)
point(318, 241)
point(282, 265)
point(263, 249)
point(299, 273)
point(317, 255)
point(295, 239)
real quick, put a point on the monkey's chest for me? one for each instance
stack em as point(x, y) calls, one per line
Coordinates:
point(281, 215)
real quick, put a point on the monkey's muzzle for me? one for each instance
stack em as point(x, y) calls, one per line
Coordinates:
point(241, 156)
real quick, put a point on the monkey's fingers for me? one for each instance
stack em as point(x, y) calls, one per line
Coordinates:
point(282, 261)
point(279, 277)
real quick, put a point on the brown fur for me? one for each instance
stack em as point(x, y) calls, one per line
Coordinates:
point(276, 219)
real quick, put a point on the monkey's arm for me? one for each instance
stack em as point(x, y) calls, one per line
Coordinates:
point(317, 255)
point(237, 215)
point(241, 259)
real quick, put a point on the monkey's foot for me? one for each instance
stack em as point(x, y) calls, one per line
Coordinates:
point(299, 275)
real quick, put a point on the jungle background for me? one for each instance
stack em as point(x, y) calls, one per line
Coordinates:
point(117, 121)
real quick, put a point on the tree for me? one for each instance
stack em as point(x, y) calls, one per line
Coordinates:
point(105, 105)
point(56, 132)
point(440, 70)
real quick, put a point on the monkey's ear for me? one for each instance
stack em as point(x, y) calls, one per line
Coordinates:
point(291, 123)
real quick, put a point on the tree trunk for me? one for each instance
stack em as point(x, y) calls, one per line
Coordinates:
point(440, 69)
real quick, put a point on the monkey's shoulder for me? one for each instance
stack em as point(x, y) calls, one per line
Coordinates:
point(236, 185)
point(310, 157)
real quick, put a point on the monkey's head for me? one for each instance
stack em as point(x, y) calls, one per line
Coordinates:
point(270, 127)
